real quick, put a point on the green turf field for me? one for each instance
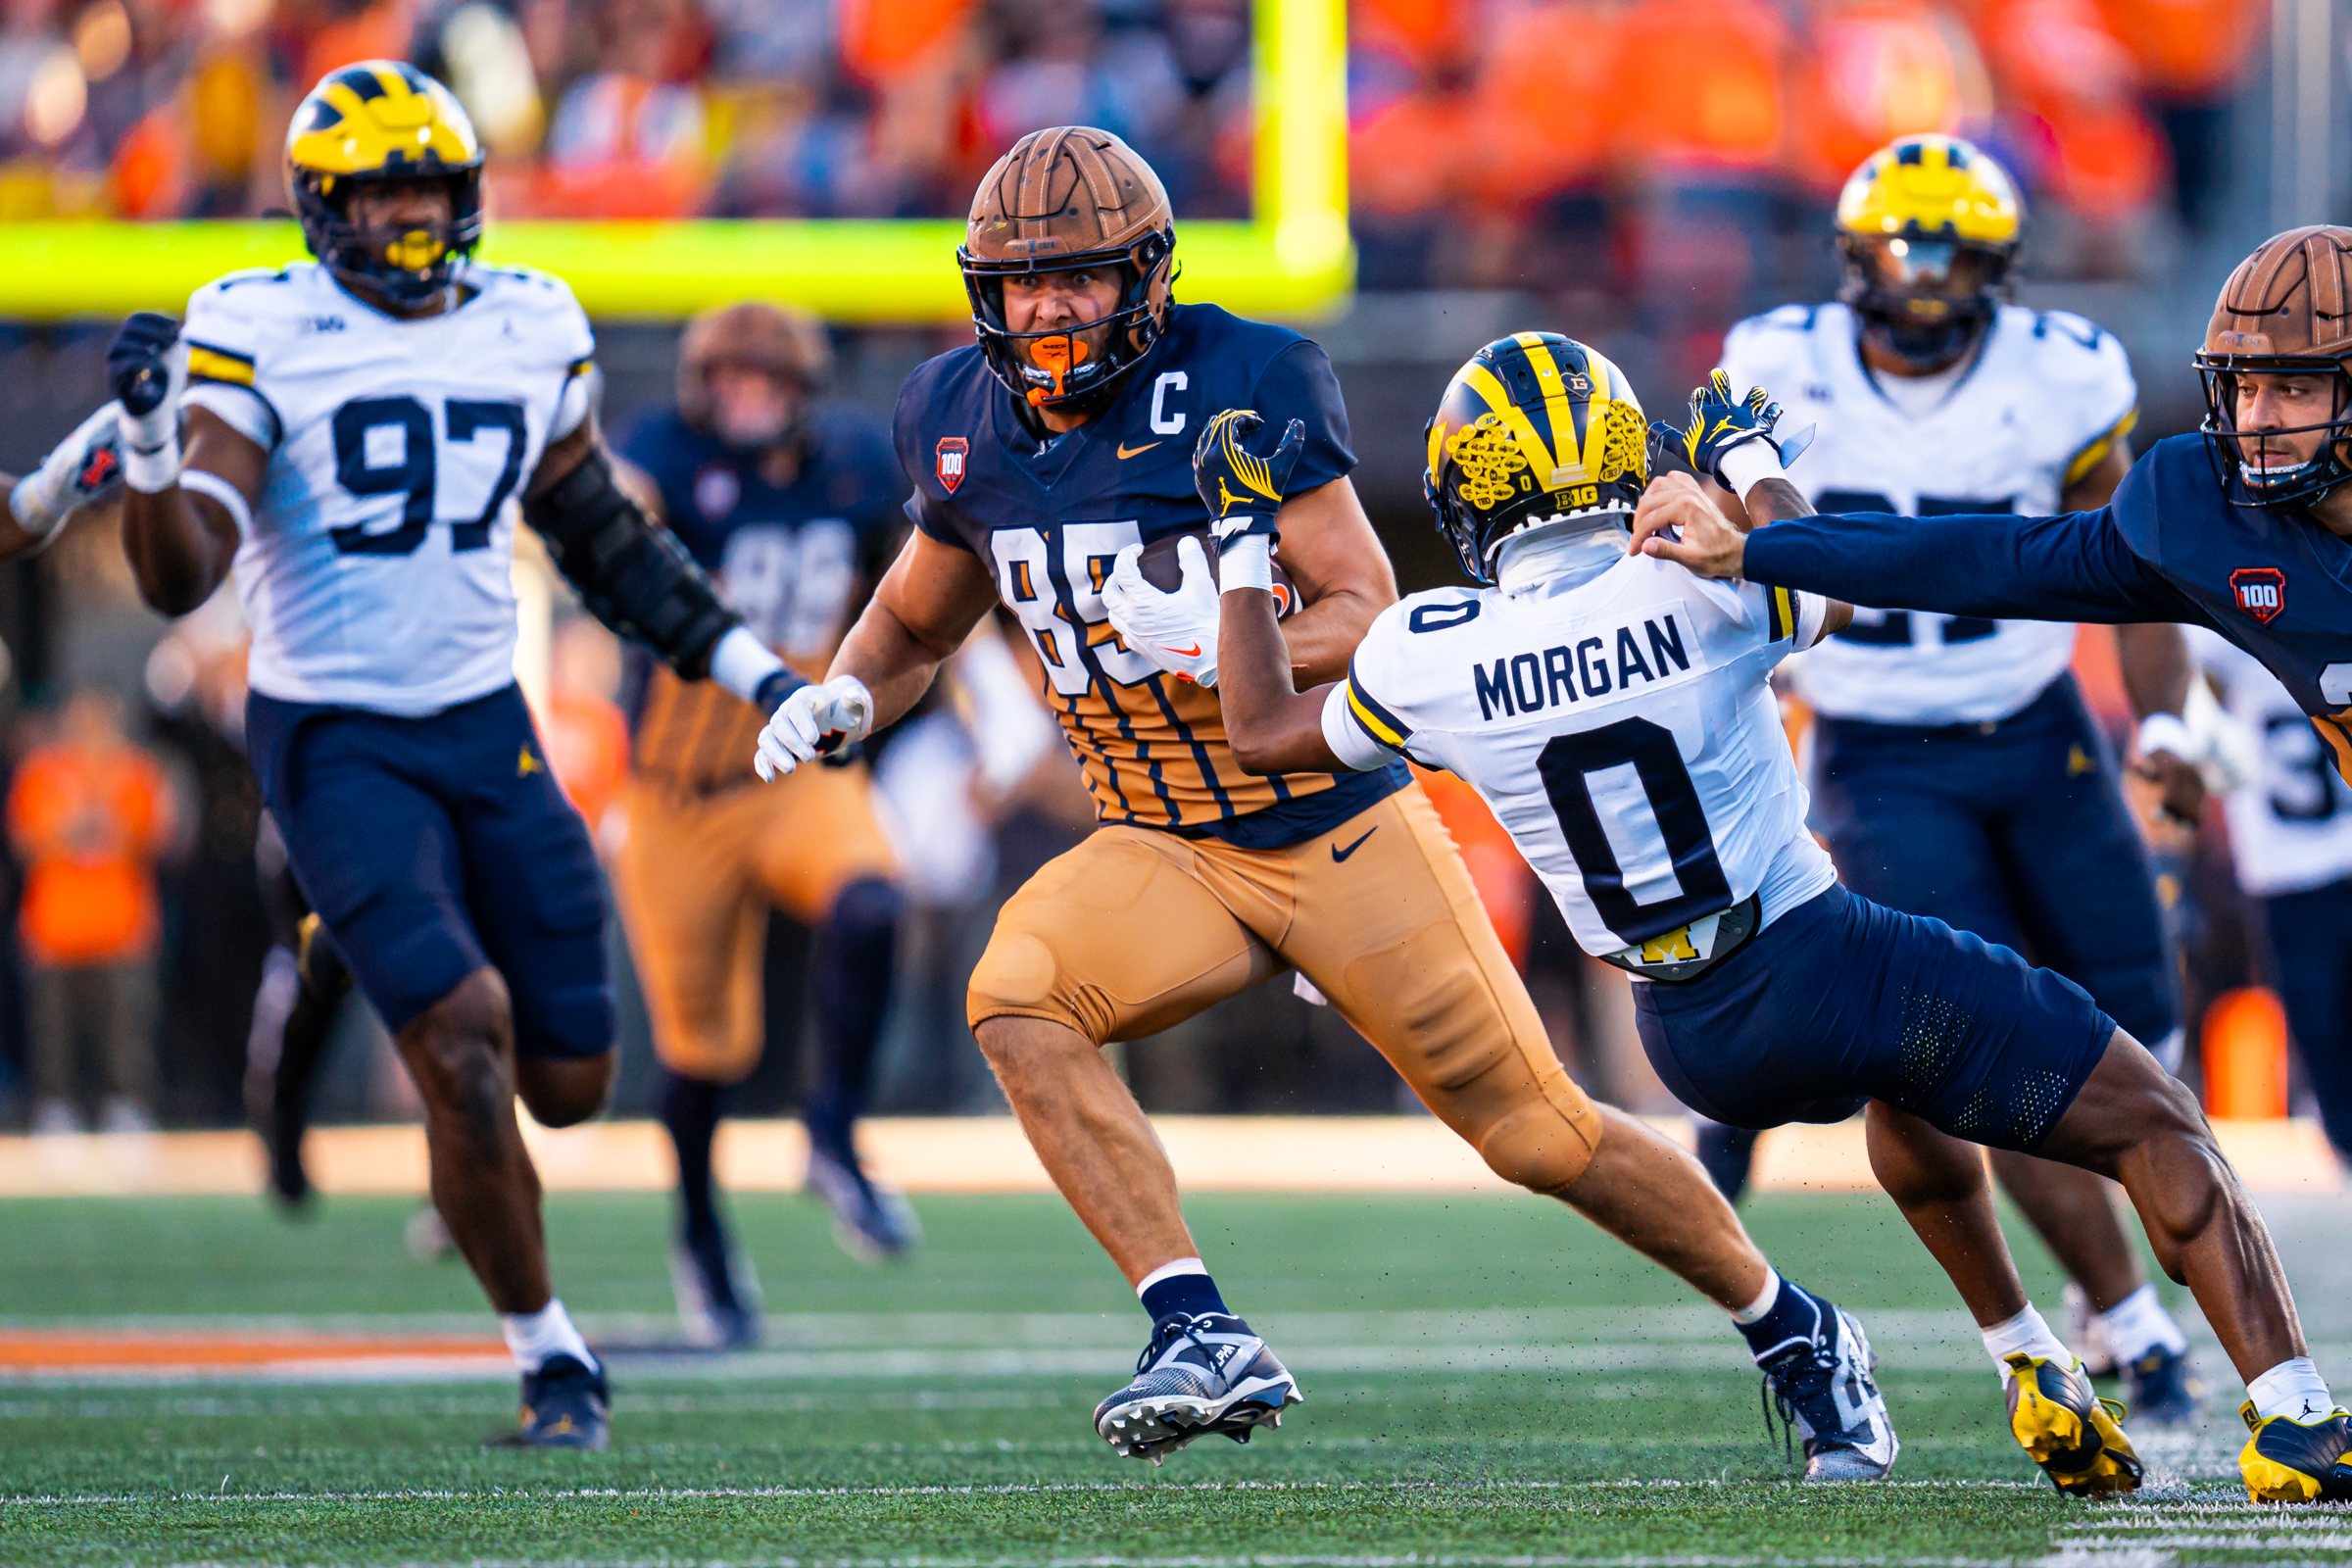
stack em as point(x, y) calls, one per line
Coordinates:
point(1489, 1381)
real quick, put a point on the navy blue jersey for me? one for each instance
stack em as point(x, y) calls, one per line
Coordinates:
point(787, 558)
point(1049, 516)
point(2168, 547)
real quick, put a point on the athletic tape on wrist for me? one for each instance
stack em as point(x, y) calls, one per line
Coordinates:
point(1747, 464)
point(1246, 563)
point(34, 512)
point(2164, 732)
point(151, 470)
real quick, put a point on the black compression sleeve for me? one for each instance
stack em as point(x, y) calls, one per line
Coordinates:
point(632, 574)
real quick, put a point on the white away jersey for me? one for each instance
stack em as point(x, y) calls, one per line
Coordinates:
point(377, 572)
point(2044, 398)
point(2290, 826)
point(1623, 730)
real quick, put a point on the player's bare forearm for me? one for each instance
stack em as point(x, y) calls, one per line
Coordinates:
point(1272, 727)
point(14, 540)
point(921, 611)
point(1774, 501)
point(181, 544)
point(2155, 663)
point(1344, 577)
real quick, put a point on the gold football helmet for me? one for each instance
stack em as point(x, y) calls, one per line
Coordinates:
point(1535, 429)
point(372, 124)
point(1928, 227)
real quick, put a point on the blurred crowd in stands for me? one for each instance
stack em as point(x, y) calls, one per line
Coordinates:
point(1489, 137)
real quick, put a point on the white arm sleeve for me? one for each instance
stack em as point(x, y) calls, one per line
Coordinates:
point(1812, 612)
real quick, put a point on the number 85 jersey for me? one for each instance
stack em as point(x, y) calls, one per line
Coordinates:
point(1623, 731)
point(376, 573)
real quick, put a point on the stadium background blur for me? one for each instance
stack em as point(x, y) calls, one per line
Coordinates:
point(1636, 172)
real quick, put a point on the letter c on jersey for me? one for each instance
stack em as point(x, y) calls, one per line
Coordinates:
point(1164, 422)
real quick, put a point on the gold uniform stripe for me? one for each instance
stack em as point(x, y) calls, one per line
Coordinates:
point(2091, 455)
point(1371, 722)
point(211, 365)
point(2332, 728)
point(1783, 610)
point(582, 367)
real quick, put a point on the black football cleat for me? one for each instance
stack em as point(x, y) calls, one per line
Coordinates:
point(718, 1292)
point(565, 1405)
point(1822, 1390)
point(2288, 1459)
point(2160, 1390)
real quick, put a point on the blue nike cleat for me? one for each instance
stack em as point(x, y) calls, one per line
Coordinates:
point(1823, 1390)
point(565, 1405)
point(873, 1220)
point(718, 1292)
point(1200, 1375)
point(2291, 1460)
point(2067, 1429)
point(2160, 1390)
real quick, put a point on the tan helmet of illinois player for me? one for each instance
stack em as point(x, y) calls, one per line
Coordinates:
point(2286, 310)
point(1064, 200)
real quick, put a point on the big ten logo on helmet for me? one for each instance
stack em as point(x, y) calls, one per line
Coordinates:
point(2261, 592)
point(951, 452)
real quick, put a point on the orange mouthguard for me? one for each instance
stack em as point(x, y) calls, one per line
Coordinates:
point(1057, 357)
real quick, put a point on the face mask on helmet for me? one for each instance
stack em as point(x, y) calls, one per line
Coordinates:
point(1922, 301)
point(403, 260)
point(2269, 455)
point(1076, 367)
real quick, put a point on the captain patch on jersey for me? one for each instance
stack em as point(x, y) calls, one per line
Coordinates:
point(377, 571)
point(2007, 430)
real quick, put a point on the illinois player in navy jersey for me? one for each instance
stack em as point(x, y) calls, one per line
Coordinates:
point(791, 506)
point(1956, 771)
point(1044, 458)
point(2244, 527)
point(359, 429)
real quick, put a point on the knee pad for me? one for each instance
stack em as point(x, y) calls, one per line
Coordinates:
point(1018, 977)
point(1544, 1141)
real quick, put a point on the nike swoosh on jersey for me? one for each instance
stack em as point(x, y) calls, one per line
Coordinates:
point(1337, 854)
point(1193, 652)
point(1126, 450)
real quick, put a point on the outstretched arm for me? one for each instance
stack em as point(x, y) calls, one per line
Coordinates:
point(1272, 725)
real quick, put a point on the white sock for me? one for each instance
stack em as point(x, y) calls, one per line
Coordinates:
point(2026, 1333)
point(2292, 1389)
point(534, 1336)
point(1766, 1299)
point(1168, 1271)
point(2138, 1324)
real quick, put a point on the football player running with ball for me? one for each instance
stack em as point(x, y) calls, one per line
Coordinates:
point(355, 428)
point(1616, 713)
point(1956, 771)
point(2242, 528)
point(1044, 458)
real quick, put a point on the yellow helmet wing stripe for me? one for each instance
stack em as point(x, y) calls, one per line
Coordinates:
point(1557, 406)
point(1514, 418)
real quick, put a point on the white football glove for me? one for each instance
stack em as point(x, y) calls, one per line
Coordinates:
point(86, 467)
point(811, 721)
point(1178, 631)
